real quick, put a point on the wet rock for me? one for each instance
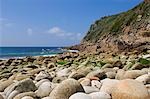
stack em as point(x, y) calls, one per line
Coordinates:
point(130, 89)
point(65, 89)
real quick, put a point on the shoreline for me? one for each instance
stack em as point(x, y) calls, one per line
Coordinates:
point(49, 76)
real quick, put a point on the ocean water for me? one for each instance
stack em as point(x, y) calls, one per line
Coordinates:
point(19, 52)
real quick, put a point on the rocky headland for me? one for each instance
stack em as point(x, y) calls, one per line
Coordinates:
point(113, 62)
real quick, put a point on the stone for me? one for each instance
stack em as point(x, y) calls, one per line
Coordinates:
point(145, 79)
point(27, 97)
point(85, 70)
point(80, 95)
point(98, 73)
point(47, 98)
point(108, 85)
point(26, 85)
point(130, 89)
point(13, 94)
point(22, 95)
point(96, 84)
point(76, 75)
point(90, 89)
point(132, 74)
point(51, 65)
point(41, 81)
point(107, 66)
point(111, 75)
point(117, 64)
point(63, 72)
point(100, 95)
point(137, 66)
point(120, 74)
point(42, 75)
point(85, 81)
point(10, 89)
point(65, 89)
point(44, 89)
point(5, 84)
point(1, 97)
point(58, 79)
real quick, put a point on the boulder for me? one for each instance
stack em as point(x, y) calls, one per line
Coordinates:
point(111, 75)
point(42, 75)
point(5, 84)
point(13, 94)
point(44, 89)
point(27, 97)
point(90, 89)
point(65, 89)
point(47, 98)
point(85, 70)
point(76, 75)
point(137, 66)
point(98, 73)
point(108, 85)
point(1, 97)
point(22, 95)
point(41, 81)
point(58, 79)
point(132, 74)
point(96, 84)
point(120, 74)
point(26, 85)
point(107, 66)
point(85, 81)
point(100, 95)
point(130, 89)
point(145, 79)
point(80, 95)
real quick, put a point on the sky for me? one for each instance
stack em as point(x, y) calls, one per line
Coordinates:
point(53, 22)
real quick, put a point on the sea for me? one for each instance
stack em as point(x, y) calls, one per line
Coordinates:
point(20, 52)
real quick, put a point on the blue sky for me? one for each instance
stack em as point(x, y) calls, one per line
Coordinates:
point(53, 22)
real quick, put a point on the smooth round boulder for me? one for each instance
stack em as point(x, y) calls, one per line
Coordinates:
point(44, 89)
point(108, 85)
point(41, 81)
point(66, 88)
point(76, 75)
point(100, 95)
point(5, 84)
point(98, 73)
point(111, 75)
point(21, 95)
point(26, 85)
point(132, 74)
point(85, 81)
point(145, 79)
point(41, 75)
point(120, 74)
point(13, 94)
point(130, 89)
point(27, 97)
point(96, 84)
point(80, 96)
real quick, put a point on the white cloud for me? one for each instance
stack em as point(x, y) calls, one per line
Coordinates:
point(57, 31)
point(29, 31)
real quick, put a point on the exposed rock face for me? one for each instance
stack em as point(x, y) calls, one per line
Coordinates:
point(126, 31)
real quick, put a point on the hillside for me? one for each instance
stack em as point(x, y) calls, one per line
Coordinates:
point(126, 31)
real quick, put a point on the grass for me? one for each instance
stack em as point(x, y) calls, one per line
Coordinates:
point(62, 62)
point(144, 61)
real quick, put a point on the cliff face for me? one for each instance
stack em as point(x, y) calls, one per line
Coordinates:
point(126, 31)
